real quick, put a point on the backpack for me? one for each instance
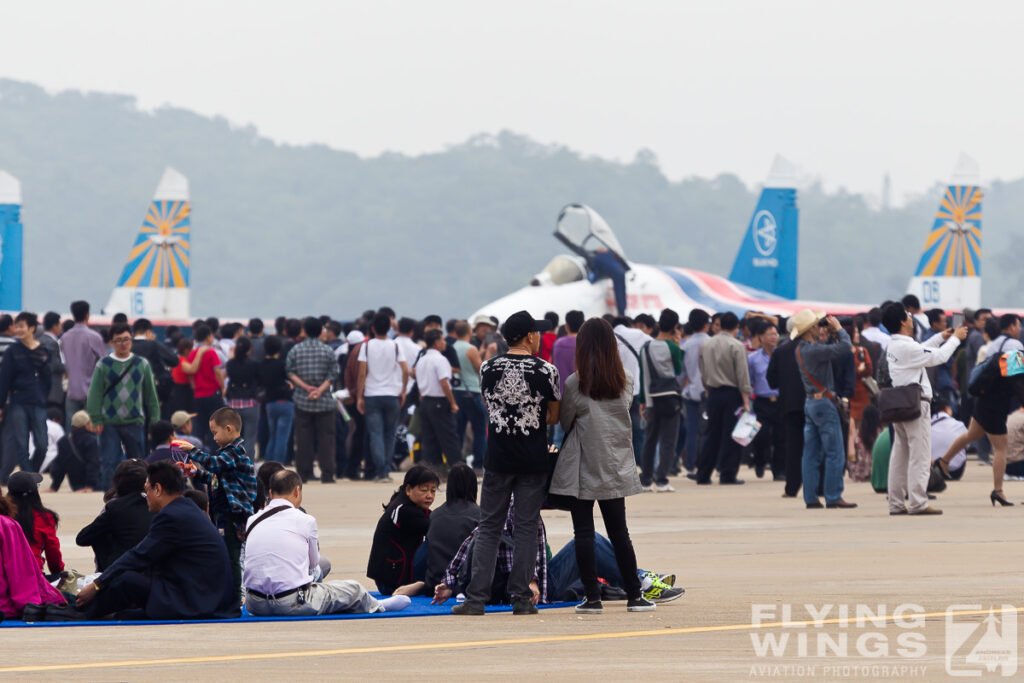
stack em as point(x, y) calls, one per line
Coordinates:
point(985, 376)
point(669, 402)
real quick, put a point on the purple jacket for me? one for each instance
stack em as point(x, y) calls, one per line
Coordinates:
point(82, 347)
point(21, 580)
point(563, 357)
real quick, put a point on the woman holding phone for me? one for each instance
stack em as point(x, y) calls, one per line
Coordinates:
point(596, 462)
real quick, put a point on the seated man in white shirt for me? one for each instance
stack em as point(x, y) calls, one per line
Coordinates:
point(945, 430)
point(281, 552)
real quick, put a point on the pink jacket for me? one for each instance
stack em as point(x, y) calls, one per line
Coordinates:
point(21, 579)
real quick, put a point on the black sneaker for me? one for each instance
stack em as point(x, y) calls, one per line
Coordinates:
point(468, 609)
point(523, 607)
point(640, 604)
point(589, 606)
point(33, 612)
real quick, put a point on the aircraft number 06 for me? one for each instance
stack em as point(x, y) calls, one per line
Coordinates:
point(930, 291)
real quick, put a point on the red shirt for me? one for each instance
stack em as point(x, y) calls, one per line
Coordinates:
point(177, 374)
point(44, 540)
point(547, 342)
point(205, 380)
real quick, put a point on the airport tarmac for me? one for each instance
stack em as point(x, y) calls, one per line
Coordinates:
point(743, 553)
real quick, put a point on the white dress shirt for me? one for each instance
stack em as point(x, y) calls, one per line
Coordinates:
point(908, 359)
point(410, 352)
point(431, 369)
point(876, 335)
point(281, 551)
point(945, 430)
point(635, 340)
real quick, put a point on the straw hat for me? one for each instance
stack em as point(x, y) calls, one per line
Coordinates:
point(805, 320)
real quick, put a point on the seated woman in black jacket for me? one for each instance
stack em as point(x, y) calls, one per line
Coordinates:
point(124, 520)
point(401, 529)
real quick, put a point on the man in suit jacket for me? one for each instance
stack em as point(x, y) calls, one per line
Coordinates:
point(180, 570)
point(784, 374)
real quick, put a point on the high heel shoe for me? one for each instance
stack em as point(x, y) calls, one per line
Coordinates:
point(997, 497)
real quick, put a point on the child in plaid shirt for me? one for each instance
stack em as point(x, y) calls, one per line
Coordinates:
point(232, 477)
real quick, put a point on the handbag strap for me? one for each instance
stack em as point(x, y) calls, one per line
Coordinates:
point(815, 383)
point(269, 513)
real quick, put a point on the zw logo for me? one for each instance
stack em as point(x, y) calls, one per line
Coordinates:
point(989, 644)
point(764, 232)
point(930, 291)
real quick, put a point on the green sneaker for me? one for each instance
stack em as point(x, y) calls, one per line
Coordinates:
point(658, 595)
point(657, 587)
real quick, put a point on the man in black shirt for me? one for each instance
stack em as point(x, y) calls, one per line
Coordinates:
point(161, 357)
point(521, 394)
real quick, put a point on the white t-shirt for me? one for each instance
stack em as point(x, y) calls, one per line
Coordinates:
point(383, 372)
point(433, 368)
point(410, 351)
point(635, 339)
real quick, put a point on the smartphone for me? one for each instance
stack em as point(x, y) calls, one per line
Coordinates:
point(958, 320)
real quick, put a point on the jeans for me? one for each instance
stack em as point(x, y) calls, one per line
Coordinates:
point(607, 265)
point(693, 409)
point(614, 513)
point(637, 423)
point(250, 429)
point(112, 440)
point(22, 418)
point(719, 449)
point(473, 413)
point(381, 424)
point(563, 570)
point(280, 415)
point(496, 494)
point(318, 426)
point(823, 440)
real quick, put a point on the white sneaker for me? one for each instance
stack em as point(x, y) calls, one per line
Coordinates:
point(646, 489)
point(664, 488)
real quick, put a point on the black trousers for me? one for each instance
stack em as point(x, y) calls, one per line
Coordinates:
point(614, 513)
point(768, 446)
point(661, 433)
point(129, 590)
point(356, 444)
point(321, 427)
point(793, 440)
point(719, 449)
point(437, 431)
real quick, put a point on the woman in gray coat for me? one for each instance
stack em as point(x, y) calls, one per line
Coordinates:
point(596, 461)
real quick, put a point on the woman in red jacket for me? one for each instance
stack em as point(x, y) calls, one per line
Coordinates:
point(38, 522)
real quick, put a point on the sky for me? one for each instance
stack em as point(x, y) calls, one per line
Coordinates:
point(848, 91)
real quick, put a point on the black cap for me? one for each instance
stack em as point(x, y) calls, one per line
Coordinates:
point(520, 324)
point(23, 482)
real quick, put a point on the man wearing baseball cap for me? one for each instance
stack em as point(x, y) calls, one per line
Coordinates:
point(521, 394)
point(182, 423)
point(823, 435)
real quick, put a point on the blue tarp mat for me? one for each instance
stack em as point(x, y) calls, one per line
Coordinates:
point(420, 607)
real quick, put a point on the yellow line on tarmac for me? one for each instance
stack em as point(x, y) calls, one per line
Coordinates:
point(134, 663)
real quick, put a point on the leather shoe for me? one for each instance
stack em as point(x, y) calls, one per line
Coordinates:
point(64, 613)
point(841, 504)
point(928, 511)
point(898, 512)
point(815, 505)
point(731, 482)
point(34, 612)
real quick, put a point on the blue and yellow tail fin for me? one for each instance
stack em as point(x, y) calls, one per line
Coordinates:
point(948, 275)
point(155, 280)
point(767, 259)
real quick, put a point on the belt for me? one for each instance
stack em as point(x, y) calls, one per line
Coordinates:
point(818, 396)
point(771, 399)
point(277, 596)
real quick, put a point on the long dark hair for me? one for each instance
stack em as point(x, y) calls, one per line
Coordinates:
point(242, 347)
point(598, 365)
point(27, 502)
point(418, 474)
point(870, 426)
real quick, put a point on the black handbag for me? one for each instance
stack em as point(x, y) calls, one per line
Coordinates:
point(900, 404)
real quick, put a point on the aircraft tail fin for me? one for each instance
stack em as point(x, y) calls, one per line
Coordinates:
point(11, 241)
point(155, 280)
point(948, 274)
point(767, 259)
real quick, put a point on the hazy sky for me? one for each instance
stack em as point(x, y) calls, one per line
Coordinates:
point(847, 90)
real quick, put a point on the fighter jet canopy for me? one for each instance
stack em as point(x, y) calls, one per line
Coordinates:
point(584, 231)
